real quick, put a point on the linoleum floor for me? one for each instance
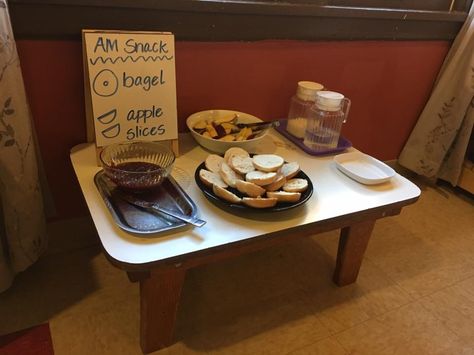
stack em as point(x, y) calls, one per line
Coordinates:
point(414, 294)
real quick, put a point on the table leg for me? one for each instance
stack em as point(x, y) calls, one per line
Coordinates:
point(353, 242)
point(159, 298)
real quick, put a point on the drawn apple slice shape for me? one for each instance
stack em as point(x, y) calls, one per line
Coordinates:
point(108, 117)
point(112, 131)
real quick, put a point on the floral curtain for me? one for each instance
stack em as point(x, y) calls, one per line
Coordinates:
point(437, 145)
point(22, 223)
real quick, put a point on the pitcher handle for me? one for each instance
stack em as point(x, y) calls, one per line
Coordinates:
point(345, 108)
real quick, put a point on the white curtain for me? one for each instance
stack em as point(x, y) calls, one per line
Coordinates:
point(22, 223)
point(437, 145)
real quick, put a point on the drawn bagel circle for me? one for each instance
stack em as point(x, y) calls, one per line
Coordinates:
point(105, 83)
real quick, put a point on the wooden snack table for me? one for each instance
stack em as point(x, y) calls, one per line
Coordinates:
point(159, 262)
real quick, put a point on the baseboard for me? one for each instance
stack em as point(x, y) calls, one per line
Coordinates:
point(71, 234)
point(466, 180)
point(400, 169)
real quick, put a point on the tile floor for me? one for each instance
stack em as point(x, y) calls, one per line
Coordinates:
point(414, 295)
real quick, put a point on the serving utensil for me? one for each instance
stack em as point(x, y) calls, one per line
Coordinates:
point(259, 125)
point(136, 201)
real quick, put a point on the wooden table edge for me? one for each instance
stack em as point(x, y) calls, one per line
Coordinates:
point(241, 247)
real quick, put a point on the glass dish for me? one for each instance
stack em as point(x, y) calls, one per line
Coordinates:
point(138, 165)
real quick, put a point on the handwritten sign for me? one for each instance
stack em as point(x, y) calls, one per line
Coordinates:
point(131, 85)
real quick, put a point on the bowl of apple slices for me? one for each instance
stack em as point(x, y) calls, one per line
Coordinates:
point(219, 130)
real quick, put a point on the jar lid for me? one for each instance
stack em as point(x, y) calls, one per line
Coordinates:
point(329, 100)
point(307, 90)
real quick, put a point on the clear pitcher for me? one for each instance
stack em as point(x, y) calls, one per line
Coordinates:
point(325, 120)
point(300, 105)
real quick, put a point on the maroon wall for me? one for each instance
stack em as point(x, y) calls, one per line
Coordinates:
point(388, 82)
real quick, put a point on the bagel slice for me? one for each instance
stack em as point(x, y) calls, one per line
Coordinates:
point(279, 181)
point(234, 151)
point(209, 178)
point(290, 169)
point(241, 164)
point(225, 194)
point(260, 178)
point(267, 162)
point(283, 196)
point(229, 176)
point(249, 188)
point(259, 202)
point(295, 185)
point(213, 163)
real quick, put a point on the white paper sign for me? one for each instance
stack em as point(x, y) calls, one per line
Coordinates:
point(132, 85)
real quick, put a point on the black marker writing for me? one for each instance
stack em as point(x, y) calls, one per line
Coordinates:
point(107, 46)
point(146, 82)
point(144, 114)
point(131, 46)
point(129, 58)
point(139, 131)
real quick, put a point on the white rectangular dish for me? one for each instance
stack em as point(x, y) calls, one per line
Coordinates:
point(364, 168)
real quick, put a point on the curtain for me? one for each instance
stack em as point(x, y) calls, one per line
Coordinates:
point(22, 222)
point(437, 145)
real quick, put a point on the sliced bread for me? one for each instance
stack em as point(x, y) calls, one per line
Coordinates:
point(209, 178)
point(279, 181)
point(249, 188)
point(295, 185)
point(267, 162)
point(241, 164)
point(284, 196)
point(231, 152)
point(228, 175)
point(213, 163)
point(260, 178)
point(225, 194)
point(259, 202)
point(290, 169)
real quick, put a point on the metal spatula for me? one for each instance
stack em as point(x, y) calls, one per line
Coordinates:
point(134, 200)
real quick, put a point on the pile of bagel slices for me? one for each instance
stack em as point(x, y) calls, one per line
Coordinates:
point(263, 180)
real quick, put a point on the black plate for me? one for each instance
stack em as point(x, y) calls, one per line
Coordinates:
point(280, 206)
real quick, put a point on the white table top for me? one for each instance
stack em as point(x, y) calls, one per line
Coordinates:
point(334, 195)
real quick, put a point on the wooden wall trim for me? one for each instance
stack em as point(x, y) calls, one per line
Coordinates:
point(231, 21)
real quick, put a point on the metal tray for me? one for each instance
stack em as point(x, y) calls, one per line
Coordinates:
point(143, 221)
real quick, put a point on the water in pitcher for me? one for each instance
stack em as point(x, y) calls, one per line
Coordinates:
point(325, 121)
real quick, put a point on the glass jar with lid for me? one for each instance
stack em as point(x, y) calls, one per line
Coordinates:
point(300, 104)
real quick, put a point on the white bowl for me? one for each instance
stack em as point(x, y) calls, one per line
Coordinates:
point(218, 146)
